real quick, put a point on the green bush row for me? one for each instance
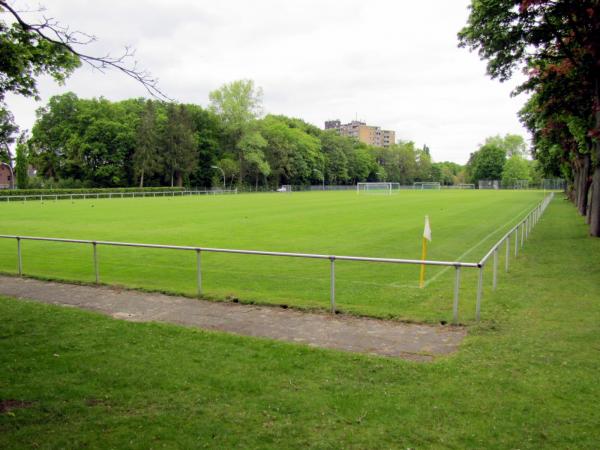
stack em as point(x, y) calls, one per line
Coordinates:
point(15, 192)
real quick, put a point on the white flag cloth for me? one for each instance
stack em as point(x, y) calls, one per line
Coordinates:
point(427, 229)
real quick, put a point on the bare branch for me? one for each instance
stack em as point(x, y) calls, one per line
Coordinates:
point(50, 30)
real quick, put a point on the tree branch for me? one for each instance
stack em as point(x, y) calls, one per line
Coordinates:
point(51, 31)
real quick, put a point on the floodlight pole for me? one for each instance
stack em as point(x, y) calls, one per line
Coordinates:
point(224, 184)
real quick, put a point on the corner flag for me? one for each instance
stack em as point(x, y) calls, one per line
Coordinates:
point(427, 229)
point(426, 237)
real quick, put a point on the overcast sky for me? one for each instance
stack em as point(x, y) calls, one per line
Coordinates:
point(394, 64)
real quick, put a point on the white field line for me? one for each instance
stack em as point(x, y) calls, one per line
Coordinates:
point(500, 228)
point(446, 269)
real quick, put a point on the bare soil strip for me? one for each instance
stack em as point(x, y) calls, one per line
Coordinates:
point(341, 332)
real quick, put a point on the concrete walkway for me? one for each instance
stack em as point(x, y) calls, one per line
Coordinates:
point(342, 332)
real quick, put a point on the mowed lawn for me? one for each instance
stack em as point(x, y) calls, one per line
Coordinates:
point(526, 379)
point(465, 224)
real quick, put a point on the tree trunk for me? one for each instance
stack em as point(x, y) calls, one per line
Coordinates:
point(172, 178)
point(595, 201)
point(179, 179)
point(583, 185)
point(590, 197)
point(241, 169)
point(142, 179)
point(595, 204)
point(575, 189)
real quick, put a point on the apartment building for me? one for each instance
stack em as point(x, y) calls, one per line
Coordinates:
point(368, 134)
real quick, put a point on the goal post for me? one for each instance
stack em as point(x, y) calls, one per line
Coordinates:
point(427, 185)
point(285, 188)
point(381, 187)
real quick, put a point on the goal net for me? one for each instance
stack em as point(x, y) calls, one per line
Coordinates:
point(464, 186)
point(285, 188)
point(381, 187)
point(427, 185)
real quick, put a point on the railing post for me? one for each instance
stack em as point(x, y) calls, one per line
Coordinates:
point(199, 271)
point(332, 284)
point(506, 261)
point(522, 234)
point(96, 268)
point(479, 294)
point(516, 242)
point(19, 260)
point(456, 291)
point(495, 275)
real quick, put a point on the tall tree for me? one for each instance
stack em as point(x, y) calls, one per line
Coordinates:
point(512, 144)
point(180, 153)
point(22, 162)
point(515, 169)
point(146, 157)
point(487, 163)
point(239, 104)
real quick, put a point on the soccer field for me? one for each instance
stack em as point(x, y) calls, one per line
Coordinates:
point(465, 225)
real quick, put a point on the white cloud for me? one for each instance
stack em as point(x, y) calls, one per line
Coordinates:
point(393, 64)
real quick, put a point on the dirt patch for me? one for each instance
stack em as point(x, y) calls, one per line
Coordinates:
point(10, 405)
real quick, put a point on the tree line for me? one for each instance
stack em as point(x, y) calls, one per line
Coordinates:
point(504, 159)
point(98, 143)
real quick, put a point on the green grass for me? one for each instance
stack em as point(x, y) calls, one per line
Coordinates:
point(465, 225)
point(527, 379)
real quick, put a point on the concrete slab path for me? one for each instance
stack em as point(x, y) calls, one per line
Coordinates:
point(342, 332)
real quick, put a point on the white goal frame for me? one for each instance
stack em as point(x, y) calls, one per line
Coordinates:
point(464, 186)
point(287, 188)
point(427, 185)
point(379, 187)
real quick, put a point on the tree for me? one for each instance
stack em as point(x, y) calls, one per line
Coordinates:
point(8, 130)
point(512, 144)
point(22, 162)
point(180, 153)
point(230, 170)
point(557, 42)
point(89, 141)
point(251, 145)
point(28, 50)
point(238, 104)
point(208, 129)
point(487, 163)
point(445, 172)
point(293, 152)
point(146, 158)
point(516, 168)
point(423, 159)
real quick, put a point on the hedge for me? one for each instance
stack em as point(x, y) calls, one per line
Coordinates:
point(18, 192)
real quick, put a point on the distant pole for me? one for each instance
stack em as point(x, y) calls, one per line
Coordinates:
point(423, 258)
point(217, 167)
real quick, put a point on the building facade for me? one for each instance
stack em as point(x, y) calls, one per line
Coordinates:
point(368, 134)
point(6, 176)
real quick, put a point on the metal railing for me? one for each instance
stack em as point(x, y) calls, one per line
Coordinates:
point(524, 227)
point(99, 195)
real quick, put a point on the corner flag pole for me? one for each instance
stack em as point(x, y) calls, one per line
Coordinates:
point(426, 237)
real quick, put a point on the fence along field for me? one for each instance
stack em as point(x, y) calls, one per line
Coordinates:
point(465, 225)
